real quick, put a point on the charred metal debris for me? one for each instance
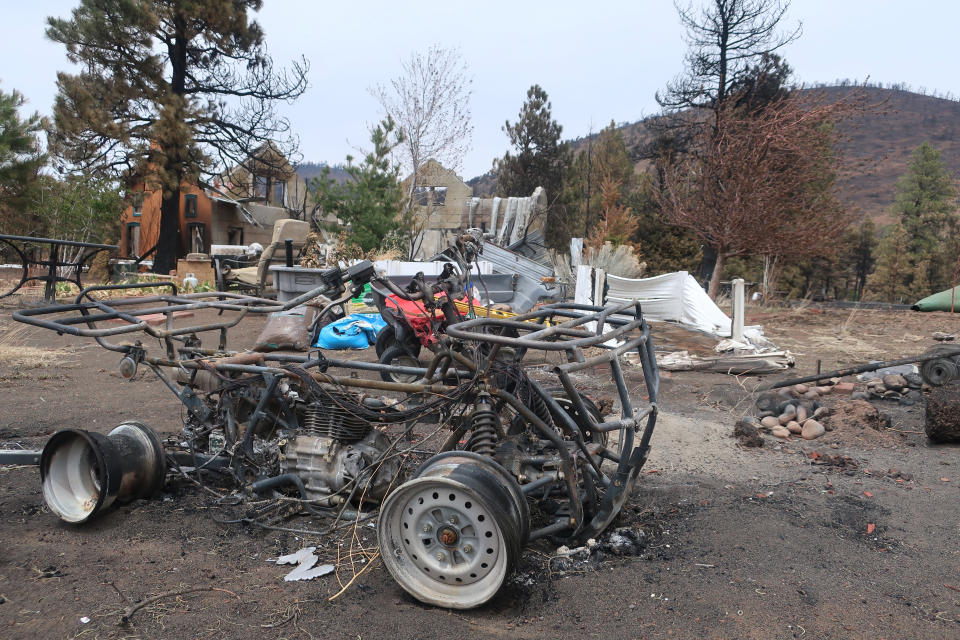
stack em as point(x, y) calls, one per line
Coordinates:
point(504, 459)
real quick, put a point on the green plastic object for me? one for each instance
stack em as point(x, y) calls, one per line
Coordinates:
point(940, 301)
point(366, 290)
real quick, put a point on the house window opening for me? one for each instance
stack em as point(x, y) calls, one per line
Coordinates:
point(260, 187)
point(279, 193)
point(439, 196)
point(235, 235)
point(421, 196)
point(133, 240)
point(190, 205)
point(198, 233)
point(138, 203)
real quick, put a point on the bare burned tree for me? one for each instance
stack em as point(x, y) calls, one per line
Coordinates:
point(430, 102)
point(169, 92)
point(728, 41)
point(725, 41)
point(761, 182)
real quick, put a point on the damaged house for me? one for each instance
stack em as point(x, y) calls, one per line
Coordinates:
point(445, 205)
point(238, 209)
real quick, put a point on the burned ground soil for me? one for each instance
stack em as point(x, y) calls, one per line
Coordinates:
point(853, 535)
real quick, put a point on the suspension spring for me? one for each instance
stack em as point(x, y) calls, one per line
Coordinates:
point(539, 407)
point(484, 423)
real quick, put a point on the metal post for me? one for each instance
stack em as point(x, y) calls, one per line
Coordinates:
point(736, 331)
point(50, 290)
point(288, 247)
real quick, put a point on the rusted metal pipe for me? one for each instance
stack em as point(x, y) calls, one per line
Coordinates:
point(863, 368)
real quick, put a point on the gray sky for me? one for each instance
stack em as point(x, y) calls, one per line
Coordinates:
point(598, 60)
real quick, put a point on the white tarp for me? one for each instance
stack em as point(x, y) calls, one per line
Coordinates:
point(675, 297)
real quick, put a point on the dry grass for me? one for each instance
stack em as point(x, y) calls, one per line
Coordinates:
point(13, 353)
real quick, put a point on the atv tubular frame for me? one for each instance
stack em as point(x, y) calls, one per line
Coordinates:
point(594, 495)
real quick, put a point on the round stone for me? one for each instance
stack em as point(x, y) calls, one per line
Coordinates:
point(812, 430)
point(780, 432)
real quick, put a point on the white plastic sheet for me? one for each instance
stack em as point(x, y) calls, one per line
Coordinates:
point(674, 297)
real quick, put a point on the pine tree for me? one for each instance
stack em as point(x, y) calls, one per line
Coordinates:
point(169, 91)
point(606, 158)
point(20, 157)
point(926, 203)
point(925, 199)
point(371, 200)
point(859, 254)
point(615, 223)
point(730, 61)
point(890, 282)
point(666, 248)
point(540, 160)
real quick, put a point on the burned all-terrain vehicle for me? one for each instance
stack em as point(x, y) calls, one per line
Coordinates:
point(516, 459)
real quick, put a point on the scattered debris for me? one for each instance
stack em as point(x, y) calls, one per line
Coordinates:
point(752, 363)
point(826, 459)
point(904, 388)
point(305, 559)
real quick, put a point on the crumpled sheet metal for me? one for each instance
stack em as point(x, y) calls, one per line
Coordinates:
point(305, 559)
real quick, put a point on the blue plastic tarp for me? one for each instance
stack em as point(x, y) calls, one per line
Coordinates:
point(355, 331)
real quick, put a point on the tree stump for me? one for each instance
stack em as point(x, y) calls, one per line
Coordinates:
point(943, 414)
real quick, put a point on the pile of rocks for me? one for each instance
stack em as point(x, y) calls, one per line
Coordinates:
point(904, 389)
point(794, 411)
point(794, 421)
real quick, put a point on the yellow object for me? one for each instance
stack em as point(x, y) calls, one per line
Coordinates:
point(482, 312)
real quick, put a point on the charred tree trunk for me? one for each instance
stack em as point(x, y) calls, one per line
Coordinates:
point(168, 242)
point(714, 288)
point(708, 264)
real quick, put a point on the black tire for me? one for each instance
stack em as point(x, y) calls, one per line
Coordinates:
point(385, 339)
point(396, 355)
point(560, 395)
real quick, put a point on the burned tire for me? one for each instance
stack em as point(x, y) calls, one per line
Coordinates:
point(593, 414)
point(452, 534)
point(941, 371)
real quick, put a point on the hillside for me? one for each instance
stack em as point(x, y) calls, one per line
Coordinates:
point(310, 170)
point(877, 145)
point(882, 143)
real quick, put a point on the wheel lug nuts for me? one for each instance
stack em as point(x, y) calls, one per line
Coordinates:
point(453, 520)
point(427, 528)
point(467, 548)
point(441, 557)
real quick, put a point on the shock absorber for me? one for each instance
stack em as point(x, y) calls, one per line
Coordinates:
point(484, 426)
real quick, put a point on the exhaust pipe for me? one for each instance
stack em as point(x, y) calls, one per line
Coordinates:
point(83, 472)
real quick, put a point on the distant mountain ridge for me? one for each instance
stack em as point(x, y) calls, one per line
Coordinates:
point(309, 170)
point(876, 145)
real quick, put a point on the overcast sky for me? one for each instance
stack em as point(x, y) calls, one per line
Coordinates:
point(597, 60)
